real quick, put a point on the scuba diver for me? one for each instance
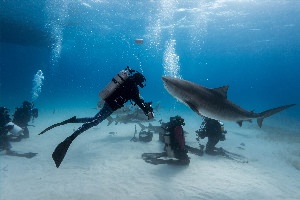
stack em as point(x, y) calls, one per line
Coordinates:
point(123, 87)
point(22, 116)
point(175, 141)
point(174, 145)
point(4, 129)
point(214, 131)
point(8, 128)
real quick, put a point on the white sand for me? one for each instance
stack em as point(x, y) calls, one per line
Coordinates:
point(99, 165)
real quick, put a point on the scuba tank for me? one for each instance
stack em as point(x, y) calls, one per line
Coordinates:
point(14, 129)
point(118, 80)
point(168, 148)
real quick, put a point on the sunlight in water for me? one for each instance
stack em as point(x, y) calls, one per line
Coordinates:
point(57, 33)
point(57, 13)
point(171, 60)
point(163, 21)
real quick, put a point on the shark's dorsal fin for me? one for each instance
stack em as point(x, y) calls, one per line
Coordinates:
point(222, 90)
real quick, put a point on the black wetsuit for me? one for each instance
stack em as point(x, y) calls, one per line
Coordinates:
point(21, 118)
point(127, 91)
point(4, 139)
point(214, 134)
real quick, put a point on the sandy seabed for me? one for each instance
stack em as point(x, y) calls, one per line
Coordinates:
point(102, 165)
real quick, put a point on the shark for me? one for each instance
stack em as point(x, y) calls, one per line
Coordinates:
point(213, 102)
point(150, 127)
point(134, 117)
point(157, 129)
point(128, 114)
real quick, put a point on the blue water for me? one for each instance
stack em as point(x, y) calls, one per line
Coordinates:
point(254, 46)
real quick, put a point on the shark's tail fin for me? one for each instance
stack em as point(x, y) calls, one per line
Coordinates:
point(270, 112)
point(143, 127)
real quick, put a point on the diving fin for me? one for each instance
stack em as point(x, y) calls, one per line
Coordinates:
point(71, 120)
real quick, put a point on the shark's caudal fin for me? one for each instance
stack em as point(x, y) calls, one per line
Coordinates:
point(270, 112)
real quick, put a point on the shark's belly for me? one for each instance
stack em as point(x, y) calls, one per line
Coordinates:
point(223, 115)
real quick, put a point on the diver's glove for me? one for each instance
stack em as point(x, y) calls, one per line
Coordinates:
point(150, 115)
point(222, 137)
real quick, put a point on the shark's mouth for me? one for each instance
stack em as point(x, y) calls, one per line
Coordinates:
point(165, 82)
point(168, 88)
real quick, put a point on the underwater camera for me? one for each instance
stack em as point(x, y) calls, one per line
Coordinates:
point(145, 136)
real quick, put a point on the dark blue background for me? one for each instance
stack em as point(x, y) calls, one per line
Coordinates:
point(252, 46)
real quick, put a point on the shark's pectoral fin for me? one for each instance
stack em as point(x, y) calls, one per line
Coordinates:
point(260, 121)
point(240, 123)
point(193, 107)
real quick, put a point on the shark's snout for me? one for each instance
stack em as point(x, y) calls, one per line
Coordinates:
point(172, 82)
point(165, 79)
point(174, 86)
point(167, 82)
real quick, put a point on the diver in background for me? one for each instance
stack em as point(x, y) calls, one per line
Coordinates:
point(4, 128)
point(174, 145)
point(7, 128)
point(214, 131)
point(123, 87)
point(23, 115)
point(175, 141)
